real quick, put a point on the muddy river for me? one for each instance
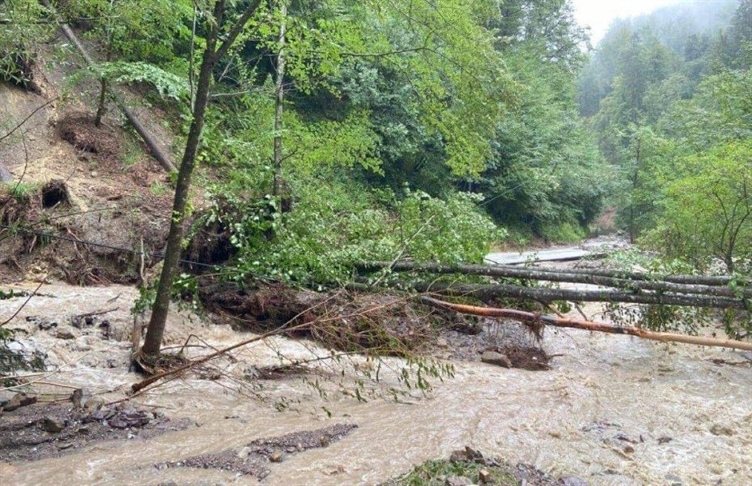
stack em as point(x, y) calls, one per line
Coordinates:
point(612, 410)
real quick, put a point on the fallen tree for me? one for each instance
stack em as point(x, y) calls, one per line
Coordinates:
point(617, 277)
point(489, 293)
point(569, 276)
point(536, 320)
point(149, 139)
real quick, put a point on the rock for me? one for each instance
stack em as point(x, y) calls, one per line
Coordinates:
point(721, 430)
point(65, 334)
point(129, 418)
point(46, 325)
point(442, 343)
point(458, 481)
point(244, 453)
point(5, 397)
point(276, 456)
point(19, 400)
point(572, 481)
point(324, 440)
point(628, 449)
point(494, 358)
point(50, 425)
point(78, 396)
point(484, 476)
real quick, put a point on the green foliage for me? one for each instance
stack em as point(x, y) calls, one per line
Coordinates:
point(167, 84)
point(546, 172)
point(707, 213)
point(23, 25)
point(147, 31)
point(660, 318)
point(333, 226)
point(435, 473)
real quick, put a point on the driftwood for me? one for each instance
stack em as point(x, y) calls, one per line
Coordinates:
point(488, 293)
point(536, 319)
point(147, 137)
point(622, 281)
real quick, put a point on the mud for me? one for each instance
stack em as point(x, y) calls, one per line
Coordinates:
point(45, 430)
point(251, 460)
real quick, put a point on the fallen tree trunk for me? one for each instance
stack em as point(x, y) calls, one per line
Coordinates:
point(568, 276)
point(487, 293)
point(531, 318)
point(146, 136)
point(713, 281)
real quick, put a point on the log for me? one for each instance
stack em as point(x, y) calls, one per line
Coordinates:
point(531, 318)
point(487, 293)
point(146, 136)
point(570, 276)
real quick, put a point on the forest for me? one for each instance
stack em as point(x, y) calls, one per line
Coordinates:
point(294, 201)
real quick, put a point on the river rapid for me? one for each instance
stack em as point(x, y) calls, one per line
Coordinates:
point(613, 410)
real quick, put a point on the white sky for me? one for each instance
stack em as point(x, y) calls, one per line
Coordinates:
point(598, 14)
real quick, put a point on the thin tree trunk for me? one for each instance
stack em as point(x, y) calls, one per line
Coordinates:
point(488, 293)
point(680, 279)
point(529, 317)
point(279, 102)
point(157, 323)
point(559, 276)
point(155, 331)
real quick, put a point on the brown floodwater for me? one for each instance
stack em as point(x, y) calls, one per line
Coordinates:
point(613, 410)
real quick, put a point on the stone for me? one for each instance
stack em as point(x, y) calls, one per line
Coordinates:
point(19, 400)
point(65, 334)
point(244, 453)
point(276, 456)
point(129, 418)
point(78, 397)
point(458, 481)
point(718, 429)
point(46, 325)
point(484, 476)
point(494, 358)
point(442, 343)
point(50, 425)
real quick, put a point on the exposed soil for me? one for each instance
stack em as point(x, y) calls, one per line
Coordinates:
point(44, 430)
point(253, 458)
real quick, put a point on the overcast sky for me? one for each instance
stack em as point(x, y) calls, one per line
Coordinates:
point(598, 14)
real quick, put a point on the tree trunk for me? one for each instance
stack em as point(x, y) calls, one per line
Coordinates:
point(680, 279)
point(488, 293)
point(158, 320)
point(530, 318)
point(560, 276)
point(155, 331)
point(279, 100)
